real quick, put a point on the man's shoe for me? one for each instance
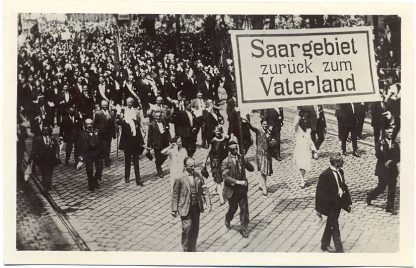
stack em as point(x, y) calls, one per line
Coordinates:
point(66, 162)
point(244, 233)
point(328, 249)
point(227, 224)
point(127, 180)
point(139, 183)
point(278, 158)
point(392, 211)
point(344, 153)
point(356, 154)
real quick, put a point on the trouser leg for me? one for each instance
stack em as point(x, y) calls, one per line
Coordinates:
point(89, 166)
point(391, 194)
point(354, 138)
point(136, 165)
point(190, 228)
point(381, 186)
point(194, 227)
point(232, 207)
point(321, 137)
point(127, 165)
point(159, 158)
point(68, 150)
point(244, 214)
point(376, 132)
point(98, 162)
point(332, 230)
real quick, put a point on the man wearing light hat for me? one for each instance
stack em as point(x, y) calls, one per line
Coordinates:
point(235, 189)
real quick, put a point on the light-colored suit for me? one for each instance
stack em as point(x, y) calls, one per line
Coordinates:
point(181, 197)
point(181, 203)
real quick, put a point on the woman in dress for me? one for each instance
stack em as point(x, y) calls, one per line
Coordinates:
point(263, 157)
point(217, 152)
point(304, 147)
point(177, 155)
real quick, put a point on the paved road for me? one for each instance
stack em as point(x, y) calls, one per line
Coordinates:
point(38, 226)
point(126, 217)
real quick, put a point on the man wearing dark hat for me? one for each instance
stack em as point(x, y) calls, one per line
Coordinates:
point(235, 189)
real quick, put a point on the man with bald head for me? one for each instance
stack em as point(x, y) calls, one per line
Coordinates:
point(91, 154)
point(104, 122)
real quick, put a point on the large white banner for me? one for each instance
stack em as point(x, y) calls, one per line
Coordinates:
point(304, 66)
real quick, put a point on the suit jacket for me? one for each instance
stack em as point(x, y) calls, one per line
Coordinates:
point(181, 195)
point(43, 155)
point(210, 122)
point(106, 126)
point(155, 139)
point(182, 124)
point(345, 115)
point(65, 104)
point(327, 198)
point(68, 128)
point(86, 106)
point(90, 147)
point(51, 96)
point(127, 140)
point(234, 174)
point(383, 154)
point(189, 88)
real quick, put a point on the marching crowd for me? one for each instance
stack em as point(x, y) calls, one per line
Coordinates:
point(155, 98)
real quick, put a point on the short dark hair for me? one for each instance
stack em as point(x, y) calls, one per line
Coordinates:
point(174, 139)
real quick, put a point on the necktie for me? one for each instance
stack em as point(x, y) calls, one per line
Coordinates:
point(339, 179)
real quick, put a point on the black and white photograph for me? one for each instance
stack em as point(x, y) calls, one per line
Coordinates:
point(209, 132)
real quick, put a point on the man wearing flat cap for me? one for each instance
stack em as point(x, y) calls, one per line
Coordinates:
point(235, 189)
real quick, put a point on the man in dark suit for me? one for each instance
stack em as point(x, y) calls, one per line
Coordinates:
point(69, 131)
point(131, 140)
point(158, 138)
point(388, 155)
point(52, 98)
point(229, 81)
point(85, 104)
point(360, 108)
point(318, 136)
point(378, 120)
point(332, 194)
point(347, 123)
point(235, 189)
point(188, 198)
point(66, 100)
point(104, 121)
point(44, 155)
point(211, 118)
point(275, 119)
point(185, 127)
point(91, 153)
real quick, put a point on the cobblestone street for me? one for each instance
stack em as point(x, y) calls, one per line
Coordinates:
point(38, 227)
point(126, 217)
